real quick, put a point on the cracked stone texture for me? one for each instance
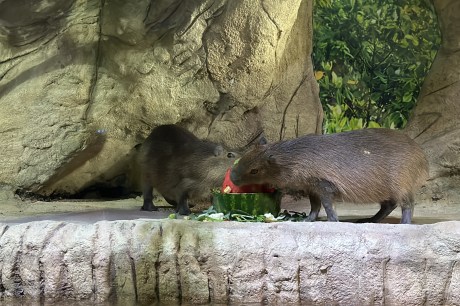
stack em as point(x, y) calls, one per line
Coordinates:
point(194, 262)
point(83, 82)
point(435, 123)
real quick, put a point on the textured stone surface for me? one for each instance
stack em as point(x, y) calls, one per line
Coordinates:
point(435, 123)
point(188, 261)
point(83, 82)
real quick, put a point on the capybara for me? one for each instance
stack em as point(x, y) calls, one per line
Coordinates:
point(181, 167)
point(362, 166)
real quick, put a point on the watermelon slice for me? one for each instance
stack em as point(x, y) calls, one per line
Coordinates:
point(247, 203)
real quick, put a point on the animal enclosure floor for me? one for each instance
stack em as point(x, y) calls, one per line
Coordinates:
point(16, 211)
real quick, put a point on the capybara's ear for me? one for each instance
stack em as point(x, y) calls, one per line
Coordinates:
point(257, 141)
point(271, 159)
point(218, 150)
point(262, 140)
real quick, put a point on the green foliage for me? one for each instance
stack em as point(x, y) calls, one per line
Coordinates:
point(211, 215)
point(371, 57)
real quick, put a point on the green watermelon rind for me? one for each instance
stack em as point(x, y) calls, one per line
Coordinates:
point(252, 204)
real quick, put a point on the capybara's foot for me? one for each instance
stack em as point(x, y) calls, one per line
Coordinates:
point(365, 220)
point(185, 211)
point(312, 216)
point(148, 206)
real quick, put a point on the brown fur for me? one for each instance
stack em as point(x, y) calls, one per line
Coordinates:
point(181, 167)
point(363, 166)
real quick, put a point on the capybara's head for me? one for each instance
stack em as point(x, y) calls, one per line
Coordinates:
point(255, 167)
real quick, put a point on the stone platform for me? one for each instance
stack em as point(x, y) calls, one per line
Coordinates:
point(78, 256)
point(195, 262)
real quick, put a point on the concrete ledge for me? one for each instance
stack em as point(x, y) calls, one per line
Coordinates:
point(189, 261)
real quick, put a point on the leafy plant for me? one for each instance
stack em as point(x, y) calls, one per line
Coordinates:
point(371, 57)
point(211, 215)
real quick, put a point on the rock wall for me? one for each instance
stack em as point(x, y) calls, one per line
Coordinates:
point(435, 123)
point(83, 82)
point(193, 262)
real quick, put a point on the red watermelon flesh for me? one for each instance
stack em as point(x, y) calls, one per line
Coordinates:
point(229, 187)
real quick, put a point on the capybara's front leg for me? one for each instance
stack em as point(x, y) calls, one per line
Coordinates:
point(182, 207)
point(326, 191)
point(315, 203)
point(326, 200)
point(147, 194)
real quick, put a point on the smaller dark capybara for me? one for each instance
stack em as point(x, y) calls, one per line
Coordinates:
point(362, 166)
point(180, 167)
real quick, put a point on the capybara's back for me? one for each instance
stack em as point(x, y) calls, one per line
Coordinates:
point(362, 166)
point(369, 165)
point(181, 167)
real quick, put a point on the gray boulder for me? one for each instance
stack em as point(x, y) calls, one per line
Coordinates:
point(83, 83)
point(435, 123)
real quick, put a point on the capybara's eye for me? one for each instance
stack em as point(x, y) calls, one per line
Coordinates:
point(230, 155)
point(254, 171)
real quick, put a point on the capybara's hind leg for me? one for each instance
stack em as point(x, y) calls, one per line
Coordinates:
point(147, 194)
point(407, 208)
point(182, 207)
point(315, 203)
point(386, 207)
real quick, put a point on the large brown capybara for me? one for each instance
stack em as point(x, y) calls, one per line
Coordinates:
point(362, 166)
point(181, 167)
